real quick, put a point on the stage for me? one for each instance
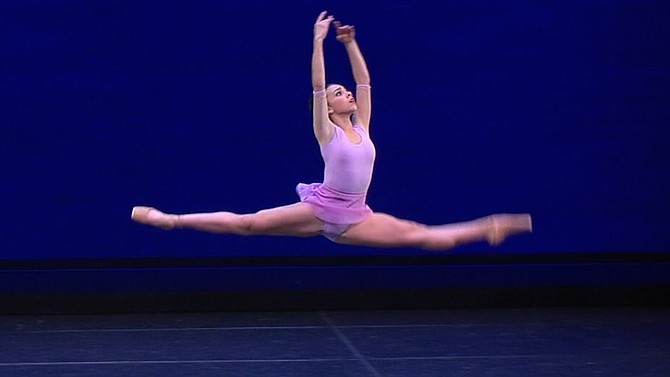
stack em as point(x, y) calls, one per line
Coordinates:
point(609, 341)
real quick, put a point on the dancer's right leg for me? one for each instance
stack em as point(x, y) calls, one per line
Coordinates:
point(291, 220)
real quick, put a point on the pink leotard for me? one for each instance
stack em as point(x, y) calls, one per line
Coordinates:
point(340, 200)
point(348, 166)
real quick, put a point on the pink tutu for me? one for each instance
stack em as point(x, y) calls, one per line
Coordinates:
point(334, 206)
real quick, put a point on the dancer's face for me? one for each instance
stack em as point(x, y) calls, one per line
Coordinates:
point(340, 100)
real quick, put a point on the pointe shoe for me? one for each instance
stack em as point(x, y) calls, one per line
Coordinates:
point(505, 225)
point(154, 217)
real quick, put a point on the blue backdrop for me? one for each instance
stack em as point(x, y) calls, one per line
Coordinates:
point(557, 108)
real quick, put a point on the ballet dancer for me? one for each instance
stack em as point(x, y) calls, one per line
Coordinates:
point(336, 208)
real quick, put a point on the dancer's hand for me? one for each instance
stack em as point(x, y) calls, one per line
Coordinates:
point(322, 25)
point(345, 33)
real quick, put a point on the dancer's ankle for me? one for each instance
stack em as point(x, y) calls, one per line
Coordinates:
point(177, 223)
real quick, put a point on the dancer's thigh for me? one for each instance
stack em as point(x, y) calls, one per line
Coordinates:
point(382, 230)
point(291, 220)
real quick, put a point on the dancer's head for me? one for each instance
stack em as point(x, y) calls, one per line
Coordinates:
point(340, 100)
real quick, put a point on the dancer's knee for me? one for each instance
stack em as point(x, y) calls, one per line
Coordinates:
point(255, 224)
point(248, 225)
point(419, 237)
point(426, 237)
point(416, 235)
point(438, 244)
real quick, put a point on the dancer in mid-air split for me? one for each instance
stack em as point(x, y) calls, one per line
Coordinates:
point(336, 208)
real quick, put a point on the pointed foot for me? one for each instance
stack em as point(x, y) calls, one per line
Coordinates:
point(152, 216)
point(505, 225)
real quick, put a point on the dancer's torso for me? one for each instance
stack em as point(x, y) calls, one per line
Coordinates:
point(348, 166)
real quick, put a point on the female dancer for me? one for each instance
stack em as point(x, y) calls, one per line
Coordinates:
point(336, 208)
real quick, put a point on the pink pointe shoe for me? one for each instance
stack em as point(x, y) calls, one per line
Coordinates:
point(152, 216)
point(505, 225)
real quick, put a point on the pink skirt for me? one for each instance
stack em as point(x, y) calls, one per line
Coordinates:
point(334, 206)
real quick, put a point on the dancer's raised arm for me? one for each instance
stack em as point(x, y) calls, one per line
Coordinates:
point(347, 35)
point(323, 127)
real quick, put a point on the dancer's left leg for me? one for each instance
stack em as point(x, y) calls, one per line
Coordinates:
point(382, 230)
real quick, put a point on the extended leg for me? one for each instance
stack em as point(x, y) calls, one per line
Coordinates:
point(291, 220)
point(382, 230)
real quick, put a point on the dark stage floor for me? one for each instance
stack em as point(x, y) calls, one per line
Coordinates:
point(505, 342)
